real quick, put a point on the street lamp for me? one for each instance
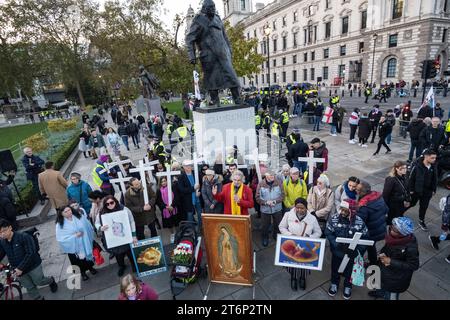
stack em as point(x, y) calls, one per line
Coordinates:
point(374, 37)
point(267, 32)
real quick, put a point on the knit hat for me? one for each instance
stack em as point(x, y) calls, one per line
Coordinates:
point(351, 205)
point(103, 158)
point(324, 179)
point(404, 225)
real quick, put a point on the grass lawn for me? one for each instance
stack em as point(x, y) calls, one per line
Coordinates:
point(12, 135)
point(176, 106)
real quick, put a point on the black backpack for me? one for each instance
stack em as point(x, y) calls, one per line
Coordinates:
point(34, 233)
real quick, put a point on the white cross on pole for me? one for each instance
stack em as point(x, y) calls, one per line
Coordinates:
point(195, 161)
point(142, 169)
point(121, 179)
point(150, 165)
point(311, 164)
point(353, 243)
point(256, 157)
point(168, 174)
point(120, 163)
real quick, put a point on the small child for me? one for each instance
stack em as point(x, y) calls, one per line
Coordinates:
point(133, 289)
point(444, 205)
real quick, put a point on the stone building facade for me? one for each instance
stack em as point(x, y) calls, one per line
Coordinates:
point(333, 41)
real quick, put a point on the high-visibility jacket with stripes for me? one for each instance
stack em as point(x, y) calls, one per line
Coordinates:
point(95, 177)
point(275, 129)
point(182, 132)
point(285, 117)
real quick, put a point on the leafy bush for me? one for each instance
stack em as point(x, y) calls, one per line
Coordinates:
point(38, 142)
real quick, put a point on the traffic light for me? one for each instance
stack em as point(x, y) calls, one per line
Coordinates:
point(429, 69)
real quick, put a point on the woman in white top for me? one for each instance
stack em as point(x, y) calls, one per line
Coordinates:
point(299, 222)
point(114, 141)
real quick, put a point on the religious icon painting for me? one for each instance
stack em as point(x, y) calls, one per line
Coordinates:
point(229, 248)
point(119, 231)
point(300, 252)
point(149, 257)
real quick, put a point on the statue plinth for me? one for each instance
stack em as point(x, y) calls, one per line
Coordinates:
point(152, 106)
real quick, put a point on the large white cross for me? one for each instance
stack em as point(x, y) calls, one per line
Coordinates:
point(120, 163)
point(195, 161)
point(168, 174)
point(311, 164)
point(143, 169)
point(353, 243)
point(121, 179)
point(150, 165)
point(256, 157)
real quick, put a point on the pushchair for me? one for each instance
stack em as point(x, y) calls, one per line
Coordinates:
point(185, 270)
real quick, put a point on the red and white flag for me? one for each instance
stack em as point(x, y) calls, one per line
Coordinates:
point(328, 115)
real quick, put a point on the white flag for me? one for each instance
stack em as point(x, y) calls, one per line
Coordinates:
point(429, 100)
point(196, 86)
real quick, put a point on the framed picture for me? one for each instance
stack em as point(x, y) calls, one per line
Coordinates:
point(119, 231)
point(149, 257)
point(300, 252)
point(229, 248)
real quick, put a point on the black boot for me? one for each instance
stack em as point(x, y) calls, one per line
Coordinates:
point(215, 101)
point(236, 96)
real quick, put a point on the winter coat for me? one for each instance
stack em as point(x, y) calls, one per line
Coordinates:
point(384, 129)
point(339, 195)
point(364, 128)
point(321, 204)
point(373, 210)
point(374, 117)
point(432, 137)
point(122, 131)
point(404, 261)
point(395, 190)
point(415, 128)
point(80, 193)
point(245, 203)
point(354, 118)
point(318, 111)
point(340, 227)
point(292, 191)
point(298, 149)
point(266, 192)
point(146, 293)
point(53, 184)
point(184, 190)
point(308, 227)
point(100, 141)
point(21, 252)
point(32, 170)
point(208, 197)
point(133, 129)
point(135, 202)
point(425, 112)
point(421, 180)
point(322, 152)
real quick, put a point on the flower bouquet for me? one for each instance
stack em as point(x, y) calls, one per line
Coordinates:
point(182, 254)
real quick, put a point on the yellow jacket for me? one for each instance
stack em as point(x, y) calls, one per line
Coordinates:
point(293, 191)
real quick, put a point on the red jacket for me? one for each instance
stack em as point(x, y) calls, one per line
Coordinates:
point(245, 203)
point(146, 293)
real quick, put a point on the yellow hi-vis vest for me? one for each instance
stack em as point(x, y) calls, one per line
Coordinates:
point(95, 177)
point(447, 126)
point(169, 129)
point(292, 139)
point(274, 130)
point(182, 132)
point(230, 160)
point(257, 120)
point(162, 153)
point(285, 117)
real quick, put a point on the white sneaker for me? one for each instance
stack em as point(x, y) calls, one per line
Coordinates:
point(351, 141)
point(359, 144)
point(334, 135)
point(364, 146)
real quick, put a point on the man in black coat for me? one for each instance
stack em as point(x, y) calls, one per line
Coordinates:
point(425, 112)
point(189, 193)
point(415, 128)
point(384, 129)
point(374, 117)
point(299, 149)
point(433, 137)
point(423, 181)
point(133, 131)
point(7, 208)
point(33, 166)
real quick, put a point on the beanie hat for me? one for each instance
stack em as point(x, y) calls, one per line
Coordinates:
point(404, 225)
point(351, 205)
point(103, 158)
point(302, 201)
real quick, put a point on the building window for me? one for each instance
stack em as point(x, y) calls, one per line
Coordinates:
point(393, 40)
point(305, 32)
point(284, 61)
point(361, 47)
point(295, 16)
point(294, 35)
point(283, 76)
point(444, 35)
point(262, 79)
point(315, 34)
point(326, 53)
point(325, 73)
point(305, 57)
point(267, 63)
point(242, 5)
point(305, 74)
point(284, 21)
point(274, 62)
point(310, 10)
point(274, 25)
point(328, 30)
point(310, 34)
point(294, 75)
point(391, 68)
point(267, 77)
point(274, 77)
point(397, 9)
point(256, 79)
point(341, 70)
point(446, 6)
point(363, 19)
point(344, 25)
point(294, 59)
point(312, 74)
point(313, 55)
point(248, 35)
point(343, 50)
point(284, 42)
point(274, 45)
point(254, 33)
point(327, 4)
point(243, 80)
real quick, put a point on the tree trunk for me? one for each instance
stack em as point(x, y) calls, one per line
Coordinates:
point(80, 94)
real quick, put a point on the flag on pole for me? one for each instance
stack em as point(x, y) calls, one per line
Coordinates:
point(429, 100)
point(196, 86)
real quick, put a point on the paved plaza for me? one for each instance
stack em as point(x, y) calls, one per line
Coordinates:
point(431, 281)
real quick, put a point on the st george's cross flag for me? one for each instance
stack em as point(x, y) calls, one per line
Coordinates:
point(328, 115)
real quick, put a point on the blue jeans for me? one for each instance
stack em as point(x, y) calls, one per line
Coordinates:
point(300, 165)
point(125, 142)
point(389, 138)
point(298, 109)
point(415, 145)
point(317, 120)
point(333, 129)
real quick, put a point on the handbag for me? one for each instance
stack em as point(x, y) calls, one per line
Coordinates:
point(358, 271)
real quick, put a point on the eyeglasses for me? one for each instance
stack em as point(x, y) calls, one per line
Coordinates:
point(109, 203)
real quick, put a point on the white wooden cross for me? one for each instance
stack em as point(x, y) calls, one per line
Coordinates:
point(256, 158)
point(121, 179)
point(353, 243)
point(168, 174)
point(120, 163)
point(150, 165)
point(311, 164)
point(195, 161)
point(143, 169)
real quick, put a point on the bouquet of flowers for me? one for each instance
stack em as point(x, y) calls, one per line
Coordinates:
point(182, 254)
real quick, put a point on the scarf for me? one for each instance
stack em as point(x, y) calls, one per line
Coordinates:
point(82, 246)
point(350, 194)
point(235, 208)
point(401, 241)
point(165, 198)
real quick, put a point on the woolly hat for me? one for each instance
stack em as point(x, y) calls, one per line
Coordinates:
point(103, 158)
point(351, 205)
point(404, 225)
